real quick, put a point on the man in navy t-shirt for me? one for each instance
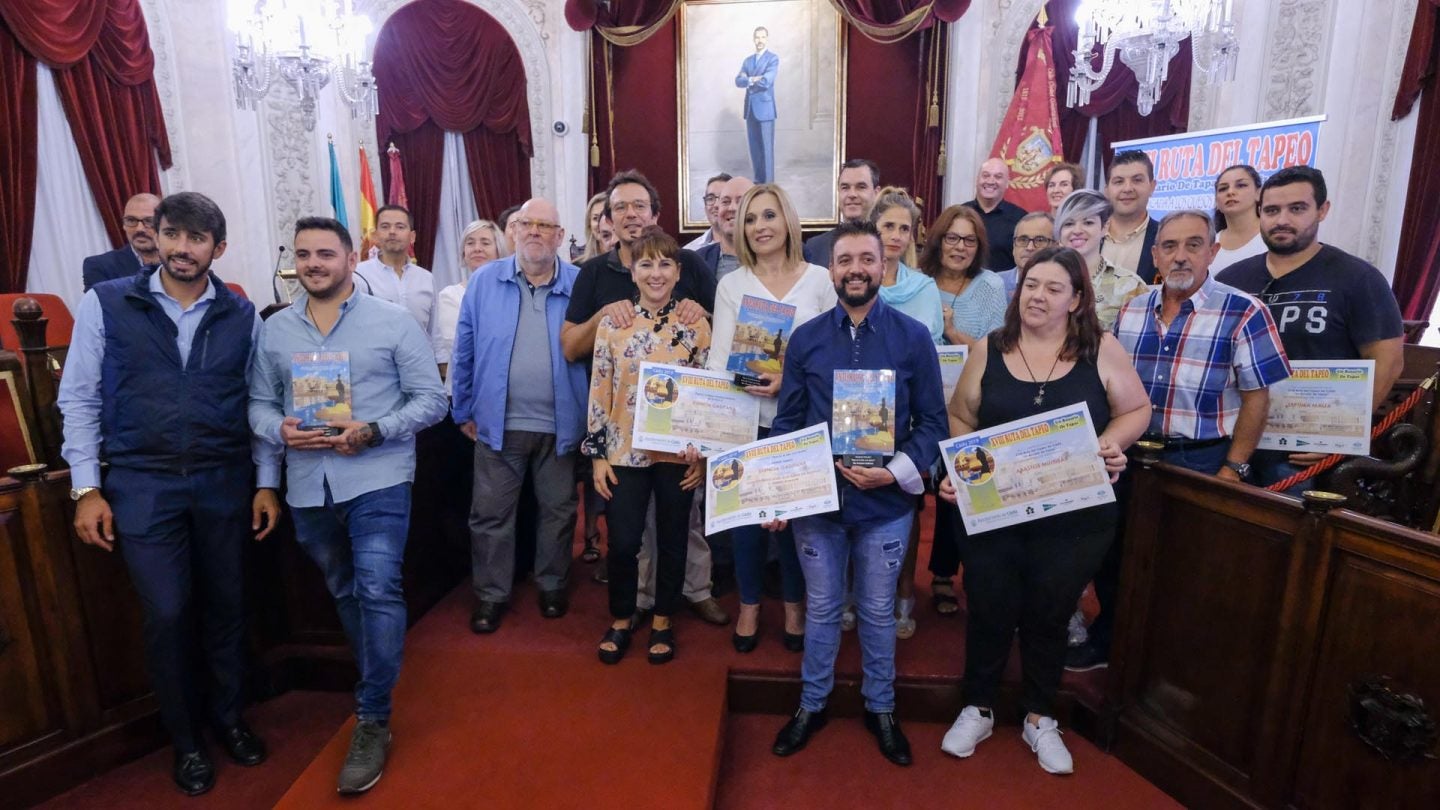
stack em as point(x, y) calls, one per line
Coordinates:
point(1328, 304)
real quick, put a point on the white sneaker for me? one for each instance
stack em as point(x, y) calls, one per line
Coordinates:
point(970, 729)
point(1044, 740)
point(1077, 631)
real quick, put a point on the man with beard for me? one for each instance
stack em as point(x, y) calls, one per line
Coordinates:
point(1327, 304)
point(858, 185)
point(350, 492)
point(391, 276)
point(156, 386)
point(139, 250)
point(999, 215)
point(523, 405)
point(872, 526)
point(720, 255)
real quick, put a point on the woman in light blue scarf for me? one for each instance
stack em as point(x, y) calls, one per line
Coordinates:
point(898, 219)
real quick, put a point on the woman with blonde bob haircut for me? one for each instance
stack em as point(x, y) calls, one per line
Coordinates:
point(772, 269)
point(481, 242)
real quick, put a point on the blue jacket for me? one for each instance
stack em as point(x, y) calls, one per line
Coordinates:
point(760, 96)
point(485, 340)
point(118, 263)
point(158, 415)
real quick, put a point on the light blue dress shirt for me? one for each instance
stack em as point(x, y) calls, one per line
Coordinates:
point(79, 397)
point(393, 381)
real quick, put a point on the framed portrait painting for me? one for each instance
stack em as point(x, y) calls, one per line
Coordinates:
point(762, 94)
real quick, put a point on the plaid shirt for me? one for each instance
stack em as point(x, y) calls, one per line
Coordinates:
point(1222, 342)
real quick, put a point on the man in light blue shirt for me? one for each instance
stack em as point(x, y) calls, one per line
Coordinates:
point(524, 406)
point(155, 385)
point(351, 459)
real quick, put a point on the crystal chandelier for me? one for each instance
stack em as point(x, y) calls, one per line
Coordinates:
point(306, 44)
point(1147, 34)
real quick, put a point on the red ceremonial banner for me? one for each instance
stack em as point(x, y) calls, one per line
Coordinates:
point(1030, 134)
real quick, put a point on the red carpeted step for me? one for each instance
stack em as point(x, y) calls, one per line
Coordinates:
point(842, 768)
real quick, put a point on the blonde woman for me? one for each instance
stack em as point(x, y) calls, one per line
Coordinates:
point(480, 243)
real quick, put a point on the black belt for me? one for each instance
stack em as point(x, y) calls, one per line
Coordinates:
point(1187, 444)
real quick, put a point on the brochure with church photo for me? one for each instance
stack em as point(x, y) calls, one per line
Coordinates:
point(863, 416)
point(762, 331)
point(1324, 407)
point(320, 387)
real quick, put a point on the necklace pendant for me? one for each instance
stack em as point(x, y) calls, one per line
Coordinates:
point(1039, 399)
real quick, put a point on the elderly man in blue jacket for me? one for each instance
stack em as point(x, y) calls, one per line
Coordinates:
point(757, 76)
point(524, 405)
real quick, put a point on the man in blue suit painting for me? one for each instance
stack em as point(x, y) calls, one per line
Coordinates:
point(140, 250)
point(757, 76)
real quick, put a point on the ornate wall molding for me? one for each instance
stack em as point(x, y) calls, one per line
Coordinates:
point(1383, 163)
point(167, 84)
point(1008, 33)
point(525, 24)
point(288, 149)
point(1295, 62)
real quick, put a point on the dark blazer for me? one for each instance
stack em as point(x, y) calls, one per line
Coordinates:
point(118, 263)
point(817, 247)
point(1146, 270)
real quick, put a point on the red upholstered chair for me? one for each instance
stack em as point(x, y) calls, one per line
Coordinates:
point(57, 331)
point(237, 289)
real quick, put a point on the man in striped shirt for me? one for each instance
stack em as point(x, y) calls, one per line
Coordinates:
point(1207, 353)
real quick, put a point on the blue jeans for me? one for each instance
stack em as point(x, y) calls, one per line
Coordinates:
point(877, 551)
point(359, 545)
point(1204, 460)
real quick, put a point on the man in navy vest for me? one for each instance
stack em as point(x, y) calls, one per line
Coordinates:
point(156, 385)
point(139, 251)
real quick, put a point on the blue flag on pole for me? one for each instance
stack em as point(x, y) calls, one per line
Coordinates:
point(337, 193)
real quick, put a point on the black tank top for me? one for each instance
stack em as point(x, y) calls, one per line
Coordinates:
point(1004, 398)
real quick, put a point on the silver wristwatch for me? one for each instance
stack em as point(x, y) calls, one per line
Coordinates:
point(77, 494)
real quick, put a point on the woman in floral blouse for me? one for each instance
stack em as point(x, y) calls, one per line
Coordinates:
point(627, 477)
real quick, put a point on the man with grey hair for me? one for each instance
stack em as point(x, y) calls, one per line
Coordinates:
point(712, 211)
point(1207, 353)
point(1033, 233)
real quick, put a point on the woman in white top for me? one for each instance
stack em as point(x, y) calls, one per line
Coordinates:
point(772, 268)
point(1237, 216)
point(481, 242)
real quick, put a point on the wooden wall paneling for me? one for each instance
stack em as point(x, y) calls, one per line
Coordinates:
point(30, 714)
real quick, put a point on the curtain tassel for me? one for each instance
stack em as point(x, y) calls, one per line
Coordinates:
point(940, 162)
point(934, 109)
point(594, 151)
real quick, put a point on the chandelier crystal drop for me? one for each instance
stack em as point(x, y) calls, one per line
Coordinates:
point(1146, 34)
point(307, 44)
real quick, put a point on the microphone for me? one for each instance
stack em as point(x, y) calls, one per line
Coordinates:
point(275, 274)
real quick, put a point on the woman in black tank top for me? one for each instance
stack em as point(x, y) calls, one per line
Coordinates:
point(1050, 353)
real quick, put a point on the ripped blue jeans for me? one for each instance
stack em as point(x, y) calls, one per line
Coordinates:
point(878, 551)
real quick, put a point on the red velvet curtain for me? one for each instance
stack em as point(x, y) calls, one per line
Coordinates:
point(886, 102)
point(1113, 103)
point(104, 71)
point(445, 65)
point(1417, 266)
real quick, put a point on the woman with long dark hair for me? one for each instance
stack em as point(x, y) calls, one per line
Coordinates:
point(1237, 216)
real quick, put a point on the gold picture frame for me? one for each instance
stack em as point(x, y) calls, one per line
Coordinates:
point(716, 37)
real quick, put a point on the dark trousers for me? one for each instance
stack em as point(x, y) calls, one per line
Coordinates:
point(625, 513)
point(183, 538)
point(493, 507)
point(949, 536)
point(1028, 577)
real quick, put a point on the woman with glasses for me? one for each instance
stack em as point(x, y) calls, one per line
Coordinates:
point(1237, 216)
point(627, 477)
point(772, 268)
point(481, 242)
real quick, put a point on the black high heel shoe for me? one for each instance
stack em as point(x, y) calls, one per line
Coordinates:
point(745, 644)
point(795, 642)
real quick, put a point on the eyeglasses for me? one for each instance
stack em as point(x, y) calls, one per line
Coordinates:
point(1033, 241)
point(542, 227)
point(710, 199)
point(953, 239)
point(638, 206)
point(133, 222)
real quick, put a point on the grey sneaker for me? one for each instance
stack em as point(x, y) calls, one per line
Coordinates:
point(366, 761)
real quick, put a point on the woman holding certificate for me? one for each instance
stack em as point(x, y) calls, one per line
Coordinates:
point(628, 477)
point(1051, 352)
point(757, 308)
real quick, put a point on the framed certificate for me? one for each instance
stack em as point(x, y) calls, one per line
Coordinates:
point(785, 477)
point(681, 407)
point(1324, 407)
point(1043, 465)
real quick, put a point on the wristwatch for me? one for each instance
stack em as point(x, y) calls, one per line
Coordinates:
point(1240, 468)
point(375, 438)
point(77, 494)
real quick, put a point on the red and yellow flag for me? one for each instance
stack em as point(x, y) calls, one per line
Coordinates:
point(1029, 138)
point(367, 205)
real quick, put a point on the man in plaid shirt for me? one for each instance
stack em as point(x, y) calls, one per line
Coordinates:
point(1206, 352)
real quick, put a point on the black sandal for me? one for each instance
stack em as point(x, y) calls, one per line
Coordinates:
point(620, 637)
point(666, 638)
point(945, 604)
point(591, 554)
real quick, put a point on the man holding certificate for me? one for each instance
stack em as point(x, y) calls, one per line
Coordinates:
point(893, 419)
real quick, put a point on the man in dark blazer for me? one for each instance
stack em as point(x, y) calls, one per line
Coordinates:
point(139, 251)
point(757, 76)
point(1131, 231)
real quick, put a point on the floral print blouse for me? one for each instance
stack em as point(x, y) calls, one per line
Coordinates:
point(614, 378)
